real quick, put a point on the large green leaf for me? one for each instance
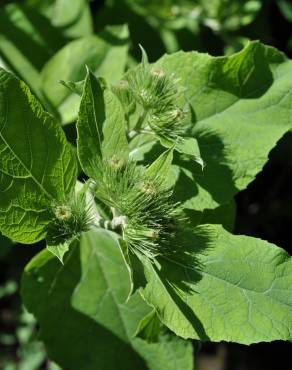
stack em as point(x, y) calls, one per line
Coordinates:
point(27, 41)
point(72, 340)
point(240, 107)
point(105, 54)
point(100, 126)
point(105, 272)
point(37, 166)
point(107, 275)
point(223, 287)
point(102, 335)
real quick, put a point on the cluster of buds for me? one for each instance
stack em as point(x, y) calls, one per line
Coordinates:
point(142, 209)
point(156, 94)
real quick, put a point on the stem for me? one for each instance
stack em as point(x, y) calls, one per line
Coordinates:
point(135, 133)
point(114, 225)
point(141, 120)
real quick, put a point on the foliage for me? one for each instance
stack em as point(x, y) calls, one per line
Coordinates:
point(140, 256)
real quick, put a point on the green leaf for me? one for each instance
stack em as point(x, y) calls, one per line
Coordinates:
point(102, 335)
point(104, 271)
point(160, 168)
point(37, 165)
point(223, 287)
point(105, 54)
point(27, 41)
point(190, 147)
point(149, 327)
point(228, 15)
point(73, 18)
point(75, 87)
point(240, 108)
point(108, 276)
point(100, 126)
point(170, 353)
point(47, 287)
point(59, 250)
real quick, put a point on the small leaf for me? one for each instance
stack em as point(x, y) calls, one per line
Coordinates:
point(59, 250)
point(75, 87)
point(149, 327)
point(100, 125)
point(190, 147)
point(159, 169)
point(185, 145)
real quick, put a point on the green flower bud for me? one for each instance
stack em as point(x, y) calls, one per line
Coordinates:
point(147, 187)
point(69, 219)
point(116, 162)
point(177, 114)
point(157, 72)
point(63, 212)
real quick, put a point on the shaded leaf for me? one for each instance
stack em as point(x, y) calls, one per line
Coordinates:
point(105, 54)
point(47, 287)
point(102, 335)
point(105, 272)
point(27, 41)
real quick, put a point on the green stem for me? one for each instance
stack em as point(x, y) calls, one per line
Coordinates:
point(141, 120)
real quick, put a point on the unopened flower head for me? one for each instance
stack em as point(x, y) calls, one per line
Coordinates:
point(69, 219)
point(158, 93)
point(63, 212)
point(123, 92)
point(116, 162)
point(158, 72)
point(144, 206)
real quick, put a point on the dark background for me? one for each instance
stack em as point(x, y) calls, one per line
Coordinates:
point(263, 210)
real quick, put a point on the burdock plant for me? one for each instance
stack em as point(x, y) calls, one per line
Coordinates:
point(144, 235)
